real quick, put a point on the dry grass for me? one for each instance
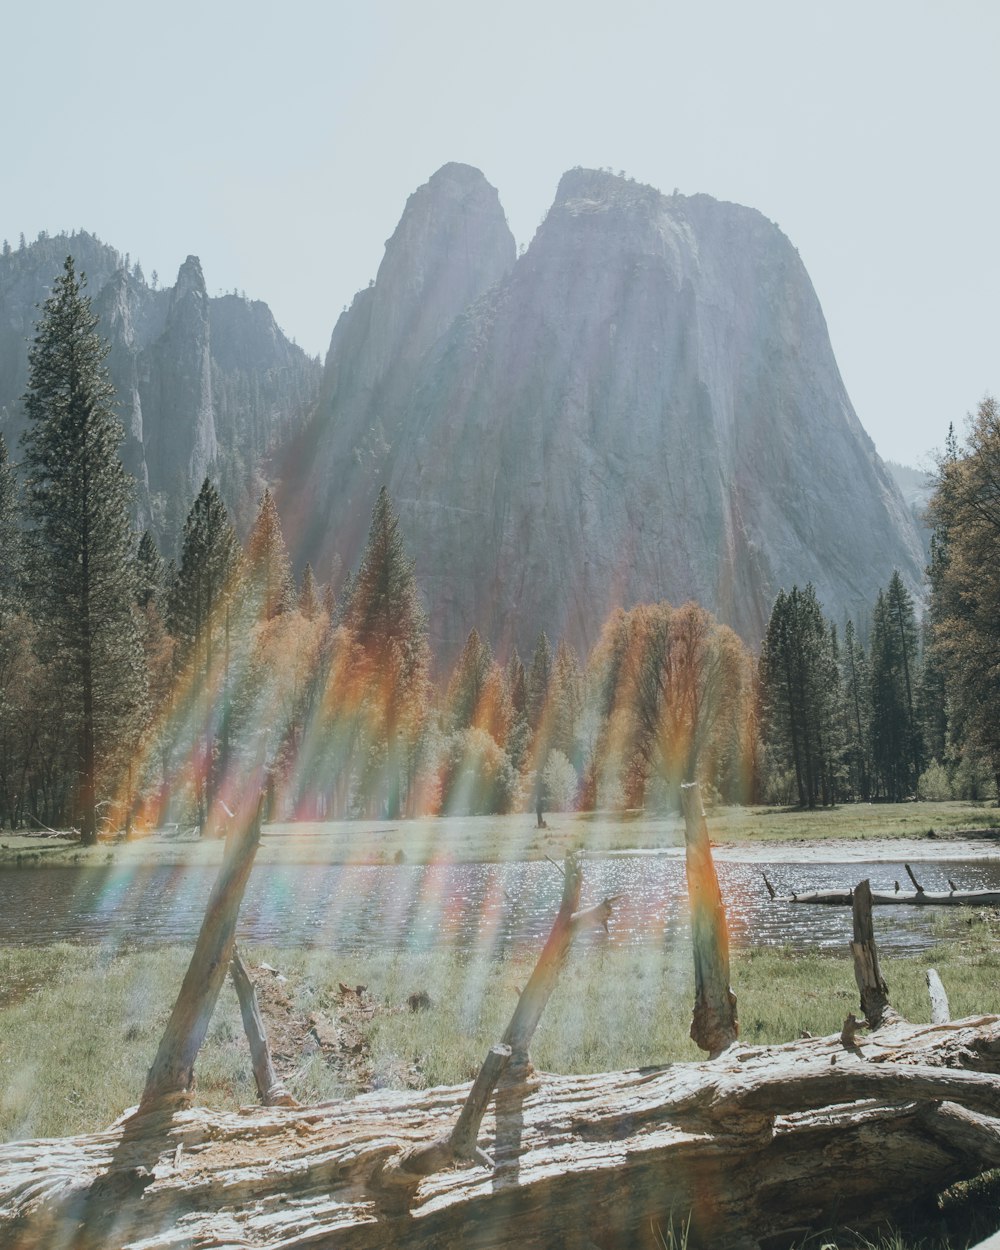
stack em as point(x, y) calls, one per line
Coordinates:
point(80, 1028)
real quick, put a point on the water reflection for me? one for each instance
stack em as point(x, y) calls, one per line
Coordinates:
point(492, 908)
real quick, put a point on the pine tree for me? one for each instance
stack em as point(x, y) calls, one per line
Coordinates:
point(309, 600)
point(896, 747)
point(539, 677)
point(200, 615)
point(468, 683)
point(387, 624)
point(856, 703)
point(519, 733)
point(82, 572)
point(11, 554)
point(798, 693)
point(269, 571)
point(149, 573)
point(14, 646)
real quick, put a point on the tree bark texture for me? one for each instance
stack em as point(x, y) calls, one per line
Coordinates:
point(871, 984)
point(758, 1143)
point(714, 1025)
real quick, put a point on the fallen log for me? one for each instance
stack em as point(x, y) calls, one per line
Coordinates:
point(763, 1142)
point(922, 898)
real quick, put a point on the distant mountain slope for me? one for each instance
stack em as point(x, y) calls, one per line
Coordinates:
point(205, 385)
point(644, 405)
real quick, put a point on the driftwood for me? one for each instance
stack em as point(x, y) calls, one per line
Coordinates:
point(873, 989)
point(754, 1148)
point(940, 1011)
point(881, 898)
point(396, 1180)
point(760, 1143)
point(918, 895)
point(172, 1075)
point(269, 1085)
point(713, 1025)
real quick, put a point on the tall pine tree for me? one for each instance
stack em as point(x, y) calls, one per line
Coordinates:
point(388, 626)
point(200, 613)
point(269, 570)
point(81, 545)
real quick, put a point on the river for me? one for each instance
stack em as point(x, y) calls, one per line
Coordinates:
point(494, 908)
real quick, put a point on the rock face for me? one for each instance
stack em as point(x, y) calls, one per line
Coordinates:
point(451, 245)
point(644, 405)
point(205, 385)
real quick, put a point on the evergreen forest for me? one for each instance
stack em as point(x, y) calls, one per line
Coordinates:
point(140, 688)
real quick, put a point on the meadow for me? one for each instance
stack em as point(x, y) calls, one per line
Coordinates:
point(79, 1025)
point(488, 839)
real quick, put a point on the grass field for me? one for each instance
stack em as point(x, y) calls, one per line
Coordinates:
point(78, 1028)
point(480, 839)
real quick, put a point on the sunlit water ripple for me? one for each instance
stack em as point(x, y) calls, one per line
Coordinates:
point(493, 908)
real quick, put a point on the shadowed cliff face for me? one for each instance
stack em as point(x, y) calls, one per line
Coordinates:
point(645, 406)
point(452, 244)
point(204, 385)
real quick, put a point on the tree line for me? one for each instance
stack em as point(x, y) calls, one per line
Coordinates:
point(135, 689)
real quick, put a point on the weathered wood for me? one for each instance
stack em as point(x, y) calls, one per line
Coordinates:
point(407, 1170)
point(395, 1177)
point(269, 1085)
point(880, 898)
point(871, 984)
point(714, 1025)
point(916, 884)
point(545, 974)
point(172, 1074)
point(763, 1142)
point(940, 1011)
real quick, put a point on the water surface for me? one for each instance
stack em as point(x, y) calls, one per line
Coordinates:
point(490, 907)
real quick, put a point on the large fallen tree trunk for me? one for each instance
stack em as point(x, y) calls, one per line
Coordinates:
point(750, 1150)
point(758, 1145)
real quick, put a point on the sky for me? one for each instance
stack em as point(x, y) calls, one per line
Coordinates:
point(279, 144)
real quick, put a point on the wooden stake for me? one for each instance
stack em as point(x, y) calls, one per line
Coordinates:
point(172, 1074)
point(400, 1175)
point(714, 1026)
point(874, 991)
point(269, 1085)
point(940, 1011)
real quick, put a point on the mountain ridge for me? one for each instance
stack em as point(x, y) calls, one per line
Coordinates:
point(645, 405)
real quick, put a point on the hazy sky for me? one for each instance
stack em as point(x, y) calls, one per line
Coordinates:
point(279, 144)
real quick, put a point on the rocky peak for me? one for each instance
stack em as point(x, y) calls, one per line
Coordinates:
point(646, 406)
point(190, 284)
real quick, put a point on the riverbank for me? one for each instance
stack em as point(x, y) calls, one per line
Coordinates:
point(865, 832)
point(417, 1020)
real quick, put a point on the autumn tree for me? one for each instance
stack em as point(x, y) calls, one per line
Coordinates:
point(269, 581)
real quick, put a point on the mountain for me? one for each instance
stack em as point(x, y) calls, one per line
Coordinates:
point(204, 385)
point(643, 405)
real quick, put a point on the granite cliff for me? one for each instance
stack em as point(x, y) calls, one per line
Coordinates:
point(204, 385)
point(643, 405)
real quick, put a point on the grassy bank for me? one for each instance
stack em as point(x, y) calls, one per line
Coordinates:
point(490, 838)
point(79, 1027)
